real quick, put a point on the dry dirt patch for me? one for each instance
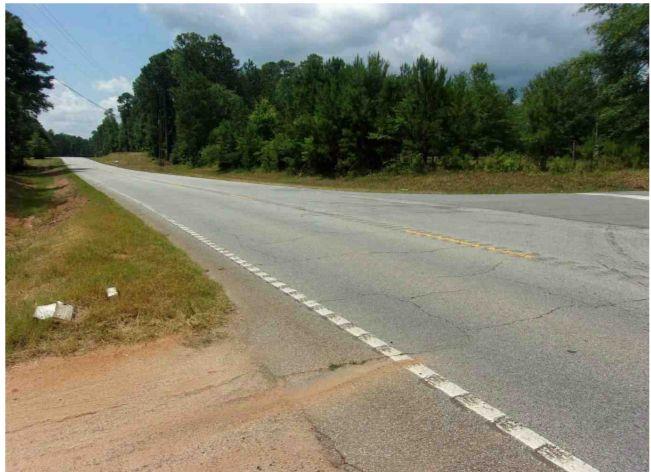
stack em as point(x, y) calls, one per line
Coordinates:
point(167, 406)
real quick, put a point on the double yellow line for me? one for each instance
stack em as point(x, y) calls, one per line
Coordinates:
point(466, 243)
point(414, 232)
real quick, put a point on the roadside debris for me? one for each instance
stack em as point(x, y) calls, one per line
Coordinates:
point(111, 292)
point(57, 310)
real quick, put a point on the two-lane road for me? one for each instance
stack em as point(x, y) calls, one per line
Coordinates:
point(538, 304)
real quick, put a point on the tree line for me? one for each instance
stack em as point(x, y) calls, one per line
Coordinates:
point(194, 104)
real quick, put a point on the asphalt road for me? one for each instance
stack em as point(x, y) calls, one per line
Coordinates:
point(538, 304)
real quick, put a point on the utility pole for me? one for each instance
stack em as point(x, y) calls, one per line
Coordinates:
point(596, 139)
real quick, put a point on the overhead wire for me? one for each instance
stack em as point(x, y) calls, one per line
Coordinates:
point(56, 79)
point(64, 32)
point(39, 35)
point(80, 94)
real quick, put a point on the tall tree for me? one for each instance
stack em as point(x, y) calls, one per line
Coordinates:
point(153, 104)
point(25, 82)
point(106, 138)
point(421, 113)
point(623, 38)
point(206, 74)
point(491, 128)
point(250, 83)
point(560, 107)
point(127, 122)
point(210, 57)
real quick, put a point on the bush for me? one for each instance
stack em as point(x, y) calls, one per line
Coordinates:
point(505, 162)
point(634, 157)
point(611, 156)
point(215, 154)
point(560, 165)
point(458, 161)
point(248, 148)
point(222, 148)
point(210, 155)
point(275, 153)
point(584, 165)
point(407, 162)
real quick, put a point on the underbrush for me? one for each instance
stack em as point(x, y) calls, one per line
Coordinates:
point(498, 173)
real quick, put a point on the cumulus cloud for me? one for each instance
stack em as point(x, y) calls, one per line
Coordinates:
point(516, 40)
point(110, 102)
point(71, 113)
point(116, 84)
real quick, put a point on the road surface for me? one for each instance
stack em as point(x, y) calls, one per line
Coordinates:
point(537, 304)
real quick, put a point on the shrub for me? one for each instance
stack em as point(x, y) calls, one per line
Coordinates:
point(632, 156)
point(216, 154)
point(560, 165)
point(407, 162)
point(612, 156)
point(222, 142)
point(275, 153)
point(505, 162)
point(457, 161)
point(248, 148)
point(210, 155)
point(584, 165)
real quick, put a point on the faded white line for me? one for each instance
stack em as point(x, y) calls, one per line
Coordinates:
point(619, 195)
point(537, 443)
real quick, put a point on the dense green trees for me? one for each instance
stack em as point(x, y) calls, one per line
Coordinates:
point(623, 63)
point(561, 107)
point(25, 81)
point(128, 134)
point(62, 144)
point(154, 129)
point(194, 104)
point(106, 138)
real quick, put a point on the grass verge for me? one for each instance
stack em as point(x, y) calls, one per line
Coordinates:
point(67, 241)
point(438, 182)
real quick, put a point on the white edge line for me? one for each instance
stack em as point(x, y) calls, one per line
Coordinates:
point(538, 444)
point(619, 195)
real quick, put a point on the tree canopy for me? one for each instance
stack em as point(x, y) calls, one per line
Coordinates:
point(195, 104)
point(26, 79)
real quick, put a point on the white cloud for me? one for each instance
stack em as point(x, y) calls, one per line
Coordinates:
point(117, 84)
point(516, 41)
point(71, 113)
point(111, 102)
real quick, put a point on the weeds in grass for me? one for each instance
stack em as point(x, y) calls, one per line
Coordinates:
point(469, 181)
point(67, 241)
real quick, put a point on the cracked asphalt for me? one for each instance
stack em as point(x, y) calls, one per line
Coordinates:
point(558, 341)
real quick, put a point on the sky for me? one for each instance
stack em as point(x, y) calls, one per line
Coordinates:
point(98, 49)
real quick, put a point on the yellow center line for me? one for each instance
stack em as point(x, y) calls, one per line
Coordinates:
point(415, 232)
point(466, 243)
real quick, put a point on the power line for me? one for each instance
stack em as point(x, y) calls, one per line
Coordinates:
point(80, 94)
point(39, 35)
point(62, 30)
point(58, 80)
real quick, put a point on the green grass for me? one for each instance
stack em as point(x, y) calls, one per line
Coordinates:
point(31, 191)
point(67, 241)
point(437, 182)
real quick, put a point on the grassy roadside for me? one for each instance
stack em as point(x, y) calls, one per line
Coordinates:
point(439, 182)
point(67, 241)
